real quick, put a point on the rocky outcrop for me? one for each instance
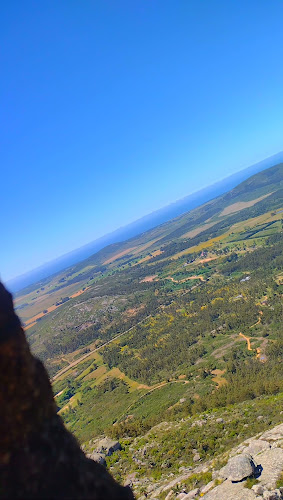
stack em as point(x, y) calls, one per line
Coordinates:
point(107, 446)
point(102, 448)
point(238, 468)
point(39, 458)
point(258, 459)
point(97, 457)
point(268, 454)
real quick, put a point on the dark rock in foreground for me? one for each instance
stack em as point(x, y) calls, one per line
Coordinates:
point(39, 458)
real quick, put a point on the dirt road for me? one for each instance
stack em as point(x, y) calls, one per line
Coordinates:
point(82, 358)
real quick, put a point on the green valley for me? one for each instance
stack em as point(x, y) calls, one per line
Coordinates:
point(180, 324)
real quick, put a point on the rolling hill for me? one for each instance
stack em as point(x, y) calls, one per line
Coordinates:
point(178, 325)
point(144, 224)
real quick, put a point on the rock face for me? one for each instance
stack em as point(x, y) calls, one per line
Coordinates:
point(108, 446)
point(39, 458)
point(265, 450)
point(238, 468)
point(230, 491)
point(97, 457)
point(271, 462)
point(256, 446)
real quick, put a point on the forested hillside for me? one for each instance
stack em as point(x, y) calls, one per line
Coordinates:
point(182, 320)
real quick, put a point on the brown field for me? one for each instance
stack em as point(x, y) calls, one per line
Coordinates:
point(33, 320)
point(186, 279)
point(148, 257)
point(43, 300)
point(208, 259)
point(77, 294)
point(118, 255)
point(236, 207)
point(30, 322)
point(148, 279)
point(198, 230)
point(96, 374)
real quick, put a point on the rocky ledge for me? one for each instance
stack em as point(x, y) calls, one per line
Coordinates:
point(253, 472)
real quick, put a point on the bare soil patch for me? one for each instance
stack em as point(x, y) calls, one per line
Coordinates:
point(236, 207)
point(208, 259)
point(186, 279)
point(219, 379)
point(149, 278)
point(198, 230)
point(132, 311)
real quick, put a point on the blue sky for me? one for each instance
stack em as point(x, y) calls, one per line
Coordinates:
point(114, 108)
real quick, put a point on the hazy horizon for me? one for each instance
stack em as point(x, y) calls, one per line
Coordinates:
point(114, 110)
point(73, 250)
point(119, 227)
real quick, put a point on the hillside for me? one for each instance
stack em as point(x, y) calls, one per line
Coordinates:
point(185, 226)
point(173, 325)
point(187, 456)
point(144, 224)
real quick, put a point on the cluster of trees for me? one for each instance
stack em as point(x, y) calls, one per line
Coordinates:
point(155, 349)
point(172, 329)
point(69, 340)
point(246, 381)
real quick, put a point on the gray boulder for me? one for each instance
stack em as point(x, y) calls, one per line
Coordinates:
point(238, 468)
point(107, 446)
point(97, 457)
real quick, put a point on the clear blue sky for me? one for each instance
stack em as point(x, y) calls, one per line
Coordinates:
point(114, 108)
